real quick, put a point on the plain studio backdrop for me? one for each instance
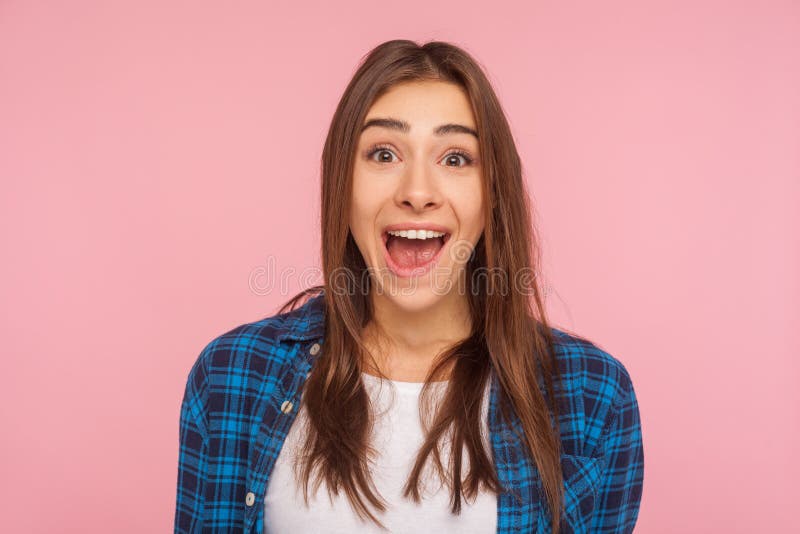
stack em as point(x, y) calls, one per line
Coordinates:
point(160, 159)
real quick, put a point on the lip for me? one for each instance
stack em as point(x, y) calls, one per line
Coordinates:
point(415, 226)
point(403, 272)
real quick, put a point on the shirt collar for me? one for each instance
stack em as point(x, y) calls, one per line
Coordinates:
point(305, 322)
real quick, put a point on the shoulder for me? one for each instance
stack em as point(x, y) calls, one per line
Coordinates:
point(585, 363)
point(243, 357)
point(262, 339)
point(594, 385)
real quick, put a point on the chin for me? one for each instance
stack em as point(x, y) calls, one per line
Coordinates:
point(417, 293)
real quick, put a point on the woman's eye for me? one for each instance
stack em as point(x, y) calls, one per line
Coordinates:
point(453, 157)
point(384, 155)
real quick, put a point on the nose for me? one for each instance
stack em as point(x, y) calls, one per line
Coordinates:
point(418, 190)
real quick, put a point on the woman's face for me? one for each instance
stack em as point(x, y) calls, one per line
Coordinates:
point(417, 171)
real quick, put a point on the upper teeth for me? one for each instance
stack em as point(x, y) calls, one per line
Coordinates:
point(416, 234)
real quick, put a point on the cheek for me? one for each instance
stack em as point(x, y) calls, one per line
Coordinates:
point(363, 209)
point(469, 209)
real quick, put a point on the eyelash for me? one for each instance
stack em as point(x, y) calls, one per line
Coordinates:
point(371, 151)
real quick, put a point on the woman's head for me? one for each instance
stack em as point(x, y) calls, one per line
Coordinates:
point(465, 180)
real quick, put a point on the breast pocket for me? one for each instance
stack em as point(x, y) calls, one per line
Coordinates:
point(581, 483)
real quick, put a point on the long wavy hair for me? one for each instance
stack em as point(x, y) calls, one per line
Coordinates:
point(510, 334)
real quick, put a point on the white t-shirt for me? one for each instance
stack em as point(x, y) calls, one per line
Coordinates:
point(397, 436)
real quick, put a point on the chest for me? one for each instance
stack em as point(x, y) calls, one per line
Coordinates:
point(397, 435)
point(255, 453)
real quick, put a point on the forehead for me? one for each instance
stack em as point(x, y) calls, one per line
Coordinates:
point(424, 105)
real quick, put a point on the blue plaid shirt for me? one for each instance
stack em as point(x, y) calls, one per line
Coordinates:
point(242, 396)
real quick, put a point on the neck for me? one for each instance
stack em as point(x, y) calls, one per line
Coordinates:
point(405, 342)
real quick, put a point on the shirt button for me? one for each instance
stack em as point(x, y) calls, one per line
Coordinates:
point(250, 499)
point(287, 406)
point(314, 349)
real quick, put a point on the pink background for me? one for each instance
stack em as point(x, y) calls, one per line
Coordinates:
point(158, 158)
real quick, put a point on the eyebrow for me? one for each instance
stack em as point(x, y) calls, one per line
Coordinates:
point(404, 127)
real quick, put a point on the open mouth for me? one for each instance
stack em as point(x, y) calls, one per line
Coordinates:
point(413, 252)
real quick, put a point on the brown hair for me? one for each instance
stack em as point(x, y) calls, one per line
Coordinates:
point(510, 333)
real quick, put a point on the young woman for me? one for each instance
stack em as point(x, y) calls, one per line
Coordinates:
point(419, 388)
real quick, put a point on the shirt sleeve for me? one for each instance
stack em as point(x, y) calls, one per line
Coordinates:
point(620, 490)
point(193, 456)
